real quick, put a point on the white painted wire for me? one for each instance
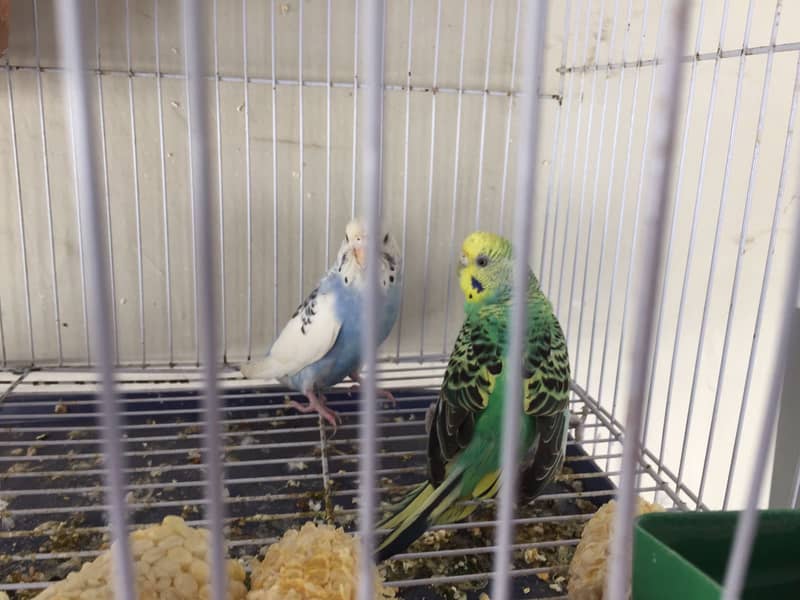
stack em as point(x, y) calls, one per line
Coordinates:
point(71, 36)
point(106, 184)
point(197, 109)
point(773, 238)
point(717, 238)
point(301, 154)
point(220, 188)
point(484, 102)
point(574, 168)
point(563, 156)
point(585, 177)
point(164, 202)
point(501, 218)
point(554, 170)
point(607, 214)
point(48, 194)
point(595, 188)
point(21, 219)
point(748, 519)
point(137, 200)
point(454, 201)
point(248, 180)
point(354, 171)
point(329, 81)
point(273, 60)
point(406, 148)
point(659, 157)
point(762, 111)
point(533, 49)
point(673, 228)
point(637, 212)
point(372, 16)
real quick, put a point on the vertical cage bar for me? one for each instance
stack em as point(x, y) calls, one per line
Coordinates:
point(693, 229)
point(554, 171)
point(533, 49)
point(796, 488)
point(81, 250)
point(484, 101)
point(301, 149)
point(717, 237)
point(585, 176)
point(220, 190)
point(273, 59)
point(740, 253)
point(136, 195)
point(48, 191)
point(607, 213)
point(773, 239)
point(748, 519)
point(71, 37)
point(329, 81)
point(197, 109)
point(637, 212)
point(106, 184)
point(595, 188)
point(406, 141)
point(164, 202)
point(372, 14)
point(2, 329)
point(20, 212)
point(624, 194)
point(355, 111)
point(510, 113)
point(660, 158)
point(578, 122)
point(563, 152)
point(248, 180)
point(454, 205)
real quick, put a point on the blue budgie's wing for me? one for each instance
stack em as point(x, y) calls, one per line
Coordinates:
point(307, 337)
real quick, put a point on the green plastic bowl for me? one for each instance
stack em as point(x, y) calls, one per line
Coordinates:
point(683, 556)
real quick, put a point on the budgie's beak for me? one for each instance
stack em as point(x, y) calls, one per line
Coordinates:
point(361, 256)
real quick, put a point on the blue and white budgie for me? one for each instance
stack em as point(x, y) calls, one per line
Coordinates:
point(321, 343)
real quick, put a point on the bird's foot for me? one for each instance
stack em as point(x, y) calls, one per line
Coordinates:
point(379, 391)
point(303, 408)
point(316, 402)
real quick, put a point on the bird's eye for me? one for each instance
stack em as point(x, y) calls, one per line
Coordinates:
point(482, 261)
point(346, 238)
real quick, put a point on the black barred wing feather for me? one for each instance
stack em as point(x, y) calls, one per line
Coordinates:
point(469, 380)
point(476, 363)
point(546, 367)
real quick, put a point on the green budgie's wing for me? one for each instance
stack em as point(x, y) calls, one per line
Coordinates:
point(546, 368)
point(475, 363)
point(547, 398)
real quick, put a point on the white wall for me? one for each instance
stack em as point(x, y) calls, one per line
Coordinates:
point(567, 179)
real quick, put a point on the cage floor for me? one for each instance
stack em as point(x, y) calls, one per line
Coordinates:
point(282, 469)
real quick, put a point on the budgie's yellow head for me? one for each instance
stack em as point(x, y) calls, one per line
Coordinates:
point(485, 266)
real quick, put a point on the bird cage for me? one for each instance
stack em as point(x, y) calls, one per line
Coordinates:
point(175, 178)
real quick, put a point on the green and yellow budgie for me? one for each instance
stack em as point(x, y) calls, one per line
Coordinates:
point(464, 443)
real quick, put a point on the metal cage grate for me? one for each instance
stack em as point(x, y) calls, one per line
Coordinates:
point(168, 198)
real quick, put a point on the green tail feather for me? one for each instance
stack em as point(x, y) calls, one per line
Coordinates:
point(420, 511)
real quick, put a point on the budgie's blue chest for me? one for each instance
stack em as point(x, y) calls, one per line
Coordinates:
point(344, 357)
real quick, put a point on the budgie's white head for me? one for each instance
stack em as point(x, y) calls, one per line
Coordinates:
point(352, 256)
